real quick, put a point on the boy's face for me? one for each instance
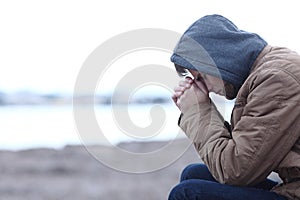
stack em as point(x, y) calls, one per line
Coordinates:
point(212, 83)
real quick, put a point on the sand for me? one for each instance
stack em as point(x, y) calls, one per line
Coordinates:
point(73, 173)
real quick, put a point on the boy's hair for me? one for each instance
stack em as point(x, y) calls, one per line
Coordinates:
point(181, 71)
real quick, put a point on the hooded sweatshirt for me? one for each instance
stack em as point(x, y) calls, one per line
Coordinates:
point(214, 45)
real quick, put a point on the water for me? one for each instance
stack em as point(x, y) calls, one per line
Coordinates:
point(24, 127)
point(36, 126)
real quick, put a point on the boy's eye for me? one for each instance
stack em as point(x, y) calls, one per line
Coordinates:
point(202, 77)
point(199, 78)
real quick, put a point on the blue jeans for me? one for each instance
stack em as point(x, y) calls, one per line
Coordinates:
point(197, 183)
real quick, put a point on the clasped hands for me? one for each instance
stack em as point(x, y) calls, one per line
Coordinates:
point(190, 92)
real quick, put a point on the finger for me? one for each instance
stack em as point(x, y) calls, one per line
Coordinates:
point(178, 94)
point(174, 98)
point(201, 83)
point(179, 89)
point(185, 83)
point(202, 86)
point(189, 79)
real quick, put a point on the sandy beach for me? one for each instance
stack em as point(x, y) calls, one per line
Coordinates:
point(73, 173)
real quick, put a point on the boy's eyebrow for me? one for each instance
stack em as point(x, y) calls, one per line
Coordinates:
point(201, 76)
point(204, 76)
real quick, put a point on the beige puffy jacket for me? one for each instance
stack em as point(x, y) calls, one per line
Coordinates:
point(265, 126)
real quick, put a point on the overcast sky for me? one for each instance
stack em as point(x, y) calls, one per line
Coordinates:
point(43, 44)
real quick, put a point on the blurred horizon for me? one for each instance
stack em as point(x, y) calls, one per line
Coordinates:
point(147, 95)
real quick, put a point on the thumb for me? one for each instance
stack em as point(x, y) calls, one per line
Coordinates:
point(202, 86)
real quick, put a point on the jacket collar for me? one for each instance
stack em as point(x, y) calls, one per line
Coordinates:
point(261, 58)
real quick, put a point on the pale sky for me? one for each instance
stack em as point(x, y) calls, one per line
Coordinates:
point(43, 44)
